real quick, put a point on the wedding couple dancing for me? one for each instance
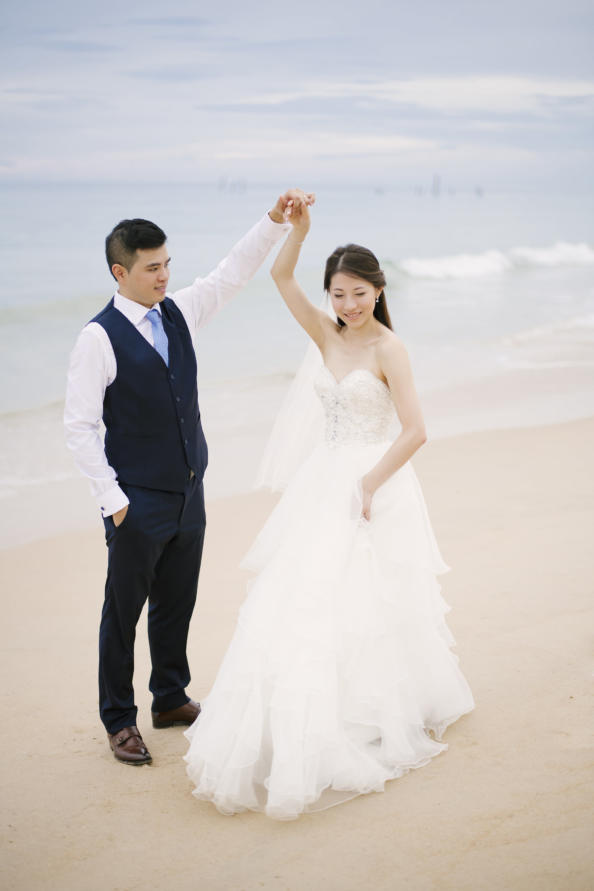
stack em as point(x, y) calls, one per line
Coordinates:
point(340, 675)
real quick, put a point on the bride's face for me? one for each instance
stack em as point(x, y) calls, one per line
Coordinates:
point(353, 299)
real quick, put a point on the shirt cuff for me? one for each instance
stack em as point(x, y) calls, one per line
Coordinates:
point(275, 230)
point(112, 501)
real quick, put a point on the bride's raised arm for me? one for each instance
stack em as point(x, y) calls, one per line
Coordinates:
point(312, 319)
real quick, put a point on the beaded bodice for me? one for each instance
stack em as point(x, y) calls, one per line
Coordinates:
point(357, 408)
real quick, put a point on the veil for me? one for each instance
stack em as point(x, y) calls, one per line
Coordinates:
point(299, 424)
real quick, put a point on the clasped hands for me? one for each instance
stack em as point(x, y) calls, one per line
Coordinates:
point(289, 203)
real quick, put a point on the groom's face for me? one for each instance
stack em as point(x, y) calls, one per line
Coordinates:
point(146, 280)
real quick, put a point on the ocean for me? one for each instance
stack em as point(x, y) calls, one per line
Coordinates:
point(482, 287)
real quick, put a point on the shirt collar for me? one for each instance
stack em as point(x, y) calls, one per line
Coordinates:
point(134, 312)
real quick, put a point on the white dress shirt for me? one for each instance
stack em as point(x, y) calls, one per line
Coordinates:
point(93, 363)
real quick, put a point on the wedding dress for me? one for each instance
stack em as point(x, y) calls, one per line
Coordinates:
point(341, 662)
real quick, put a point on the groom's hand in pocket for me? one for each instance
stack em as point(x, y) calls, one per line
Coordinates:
point(118, 517)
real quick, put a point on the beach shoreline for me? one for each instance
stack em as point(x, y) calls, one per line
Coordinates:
point(506, 807)
point(39, 502)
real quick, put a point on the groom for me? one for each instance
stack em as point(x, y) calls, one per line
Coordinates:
point(134, 366)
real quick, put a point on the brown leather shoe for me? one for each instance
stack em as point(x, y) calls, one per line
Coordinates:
point(185, 714)
point(128, 747)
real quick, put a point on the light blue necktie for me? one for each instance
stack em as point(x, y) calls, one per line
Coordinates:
point(159, 337)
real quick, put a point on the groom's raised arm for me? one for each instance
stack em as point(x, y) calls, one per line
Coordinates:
point(206, 296)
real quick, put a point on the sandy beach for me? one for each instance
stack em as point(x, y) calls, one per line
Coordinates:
point(508, 806)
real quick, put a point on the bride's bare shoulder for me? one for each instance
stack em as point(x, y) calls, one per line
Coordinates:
point(390, 347)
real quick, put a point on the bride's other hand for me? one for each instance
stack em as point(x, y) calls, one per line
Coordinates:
point(288, 203)
point(366, 498)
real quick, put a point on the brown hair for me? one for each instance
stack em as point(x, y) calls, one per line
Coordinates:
point(360, 262)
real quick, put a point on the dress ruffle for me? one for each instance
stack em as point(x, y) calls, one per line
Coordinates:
point(341, 662)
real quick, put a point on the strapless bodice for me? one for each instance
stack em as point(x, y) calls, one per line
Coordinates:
point(358, 408)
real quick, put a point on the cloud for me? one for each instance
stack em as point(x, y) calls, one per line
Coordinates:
point(172, 74)
point(79, 46)
point(323, 144)
point(173, 21)
point(25, 96)
point(134, 92)
point(497, 93)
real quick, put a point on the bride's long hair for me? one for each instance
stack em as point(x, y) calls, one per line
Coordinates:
point(360, 262)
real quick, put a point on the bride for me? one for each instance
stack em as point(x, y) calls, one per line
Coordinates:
point(339, 676)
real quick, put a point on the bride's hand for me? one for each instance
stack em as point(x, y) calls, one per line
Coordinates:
point(297, 214)
point(366, 498)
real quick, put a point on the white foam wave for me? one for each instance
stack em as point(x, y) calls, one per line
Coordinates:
point(494, 262)
point(564, 344)
point(560, 254)
point(577, 327)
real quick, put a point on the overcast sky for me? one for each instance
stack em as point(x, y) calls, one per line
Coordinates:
point(498, 93)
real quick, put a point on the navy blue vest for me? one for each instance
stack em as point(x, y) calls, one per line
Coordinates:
point(153, 436)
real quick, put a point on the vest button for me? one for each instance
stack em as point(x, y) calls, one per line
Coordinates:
point(185, 441)
point(181, 420)
point(171, 377)
point(178, 398)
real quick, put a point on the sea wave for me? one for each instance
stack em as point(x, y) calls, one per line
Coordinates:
point(564, 344)
point(495, 262)
point(575, 326)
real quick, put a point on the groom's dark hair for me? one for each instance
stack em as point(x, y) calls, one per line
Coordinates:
point(130, 236)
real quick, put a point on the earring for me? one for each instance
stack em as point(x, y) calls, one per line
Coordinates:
point(377, 299)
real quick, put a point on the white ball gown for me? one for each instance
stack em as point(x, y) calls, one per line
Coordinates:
point(341, 662)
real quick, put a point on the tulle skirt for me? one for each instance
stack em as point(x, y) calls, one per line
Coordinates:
point(340, 675)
